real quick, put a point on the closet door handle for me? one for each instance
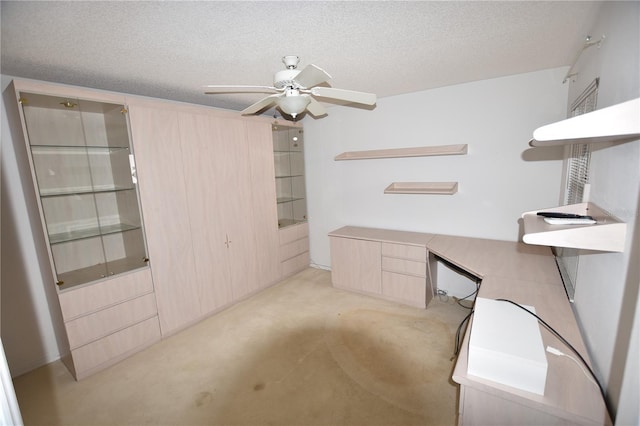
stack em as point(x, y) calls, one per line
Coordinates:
point(228, 241)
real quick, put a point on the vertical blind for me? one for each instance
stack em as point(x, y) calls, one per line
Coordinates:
point(578, 163)
point(577, 179)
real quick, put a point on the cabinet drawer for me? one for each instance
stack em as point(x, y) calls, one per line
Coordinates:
point(292, 233)
point(404, 266)
point(405, 288)
point(404, 251)
point(106, 293)
point(90, 358)
point(99, 324)
point(295, 264)
point(294, 248)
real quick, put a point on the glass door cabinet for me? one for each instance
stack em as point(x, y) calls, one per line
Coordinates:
point(84, 168)
point(288, 146)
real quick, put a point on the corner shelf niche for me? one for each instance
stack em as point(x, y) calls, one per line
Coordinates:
point(423, 151)
point(617, 123)
point(607, 234)
point(442, 188)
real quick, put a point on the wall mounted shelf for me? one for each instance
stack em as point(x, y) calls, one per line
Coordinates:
point(423, 151)
point(607, 234)
point(617, 123)
point(442, 188)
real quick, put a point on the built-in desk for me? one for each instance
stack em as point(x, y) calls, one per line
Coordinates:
point(525, 274)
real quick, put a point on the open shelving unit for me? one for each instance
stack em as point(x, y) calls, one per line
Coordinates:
point(607, 234)
point(441, 188)
point(423, 151)
point(614, 124)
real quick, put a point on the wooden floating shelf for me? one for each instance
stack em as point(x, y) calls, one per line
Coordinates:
point(423, 151)
point(607, 234)
point(617, 123)
point(442, 188)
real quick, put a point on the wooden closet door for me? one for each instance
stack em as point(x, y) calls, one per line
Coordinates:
point(264, 209)
point(207, 199)
point(156, 140)
point(233, 181)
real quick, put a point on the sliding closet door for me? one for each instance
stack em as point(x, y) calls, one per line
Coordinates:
point(156, 140)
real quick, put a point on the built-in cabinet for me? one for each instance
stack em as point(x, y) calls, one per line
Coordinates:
point(216, 176)
point(392, 265)
point(204, 180)
point(288, 154)
point(83, 171)
point(294, 248)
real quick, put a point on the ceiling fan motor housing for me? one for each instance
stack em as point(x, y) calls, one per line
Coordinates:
point(285, 78)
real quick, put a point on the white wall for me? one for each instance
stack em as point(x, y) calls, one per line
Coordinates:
point(498, 179)
point(606, 299)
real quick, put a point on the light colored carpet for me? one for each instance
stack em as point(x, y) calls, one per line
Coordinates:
point(298, 353)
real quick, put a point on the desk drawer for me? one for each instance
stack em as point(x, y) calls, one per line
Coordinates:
point(405, 288)
point(94, 326)
point(404, 251)
point(404, 266)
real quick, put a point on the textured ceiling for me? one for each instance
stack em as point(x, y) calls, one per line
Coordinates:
point(172, 49)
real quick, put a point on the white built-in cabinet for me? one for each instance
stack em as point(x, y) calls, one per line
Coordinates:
point(209, 206)
point(288, 155)
point(83, 171)
point(392, 265)
point(203, 180)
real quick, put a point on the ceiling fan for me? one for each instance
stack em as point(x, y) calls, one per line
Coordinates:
point(294, 90)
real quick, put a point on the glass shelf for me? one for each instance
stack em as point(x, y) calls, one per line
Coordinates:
point(79, 234)
point(288, 176)
point(60, 192)
point(84, 171)
point(76, 149)
point(288, 154)
point(288, 199)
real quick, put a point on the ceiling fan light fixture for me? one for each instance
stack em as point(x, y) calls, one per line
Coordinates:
point(293, 104)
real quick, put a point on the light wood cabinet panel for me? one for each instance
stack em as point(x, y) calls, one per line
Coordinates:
point(107, 351)
point(206, 204)
point(402, 263)
point(293, 233)
point(295, 248)
point(94, 326)
point(403, 266)
point(295, 264)
point(405, 251)
point(233, 180)
point(156, 136)
point(356, 265)
point(265, 212)
point(93, 297)
point(404, 288)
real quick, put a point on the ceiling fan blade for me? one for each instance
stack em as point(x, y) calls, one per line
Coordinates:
point(213, 89)
point(315, 108)
point(311, 76)
point(261, 104)
point(345, 95)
